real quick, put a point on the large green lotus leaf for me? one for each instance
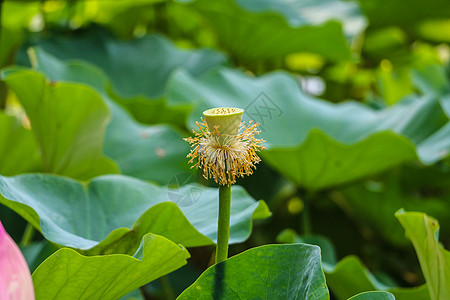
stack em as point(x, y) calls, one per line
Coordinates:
point(423, 231)
point(267, 272)
point(137, 67)
point(112, 213)
point(350, 277)
point(314, 143)
point(18, 149)
point(255, 32)
point(373, 296)
point(69, 275)
point(154, 153)
point(322, 162)
point(69, 122)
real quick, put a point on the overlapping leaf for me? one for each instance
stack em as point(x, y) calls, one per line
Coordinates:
point(112, 213)
point(423, 231)
point(254, 32)
point(138, 69)
point(18, 149)
point(154, 153)
point(68, 121)
point(314, 143)
point(266, 272)
point(67, 274)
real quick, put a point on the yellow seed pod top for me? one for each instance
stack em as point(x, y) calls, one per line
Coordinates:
point(227, 119)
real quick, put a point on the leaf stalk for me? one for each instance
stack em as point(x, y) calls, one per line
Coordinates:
point(223, 230)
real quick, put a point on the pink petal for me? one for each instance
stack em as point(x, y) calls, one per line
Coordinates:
point(15, 277)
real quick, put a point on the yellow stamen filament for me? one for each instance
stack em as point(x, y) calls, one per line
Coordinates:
point(227, 158)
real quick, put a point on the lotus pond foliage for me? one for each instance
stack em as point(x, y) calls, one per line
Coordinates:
point(339, 111)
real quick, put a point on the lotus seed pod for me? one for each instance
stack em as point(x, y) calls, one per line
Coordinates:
point(227, 119)
point(225, 148)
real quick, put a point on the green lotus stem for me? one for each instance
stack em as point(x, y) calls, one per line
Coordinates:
point(27, 235)
point(306, 219)
point(169, 294)
point(307, 198)
point(223, 230)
